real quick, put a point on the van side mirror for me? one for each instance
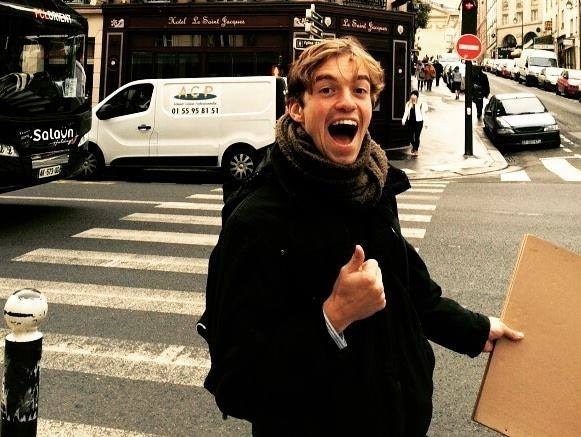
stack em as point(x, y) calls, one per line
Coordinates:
point(106, 112)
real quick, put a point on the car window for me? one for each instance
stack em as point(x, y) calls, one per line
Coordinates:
point(527, 105)
point(133, 99)
point(542, 62)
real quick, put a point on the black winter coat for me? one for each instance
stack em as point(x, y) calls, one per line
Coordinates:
point(273, 361)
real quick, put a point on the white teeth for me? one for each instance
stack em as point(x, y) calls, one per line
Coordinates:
point(349, 122)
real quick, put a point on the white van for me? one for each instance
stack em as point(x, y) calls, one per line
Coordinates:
point(531, 62)
point(186, 123)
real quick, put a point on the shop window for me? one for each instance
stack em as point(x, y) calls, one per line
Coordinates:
point(186, 40)
point(141, 65)
point(224, 40)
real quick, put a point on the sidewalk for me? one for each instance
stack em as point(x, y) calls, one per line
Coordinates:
point(442, 142)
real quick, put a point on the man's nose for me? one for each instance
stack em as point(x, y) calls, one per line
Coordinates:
point(346, 101)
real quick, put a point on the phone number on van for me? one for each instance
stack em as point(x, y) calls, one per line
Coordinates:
point(194, 111)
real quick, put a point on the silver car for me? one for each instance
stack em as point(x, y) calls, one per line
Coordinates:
point(547, 78)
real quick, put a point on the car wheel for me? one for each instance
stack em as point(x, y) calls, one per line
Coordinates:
point(93, 163)
point(239, 162)
point(557, 91)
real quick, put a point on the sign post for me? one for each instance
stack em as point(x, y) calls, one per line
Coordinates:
point(468, 48)
point(314, 23)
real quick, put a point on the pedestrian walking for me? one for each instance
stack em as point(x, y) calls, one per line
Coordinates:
point(456, 81)
point(414, 117)
point(439, 71)
point(317, 309)
point(420, 75)
point(430, 74)
point(480, 88)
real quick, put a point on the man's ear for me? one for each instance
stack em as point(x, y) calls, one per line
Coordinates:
point(295, 110)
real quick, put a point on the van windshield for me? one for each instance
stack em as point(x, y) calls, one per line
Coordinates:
point(542, 62)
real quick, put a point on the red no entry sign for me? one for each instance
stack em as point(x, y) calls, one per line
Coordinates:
point(468, 47)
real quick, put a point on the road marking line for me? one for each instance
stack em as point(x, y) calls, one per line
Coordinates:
point(175, 218)
point(413, 232)
point(127, 359)
point(408, 170)
point(189, 205)
point(405, 196)
point(108, 296)
point(566, 149)
point(425, 190)
point(415, 218)
point(78, 199)
point(150, 236)
point(217, 190)
point(563, 169)
point(58, 428)
point(428, 185)
point(206, 196)
point(418, 206)
point(134, 261)
point(68, 181)
point(515, 176)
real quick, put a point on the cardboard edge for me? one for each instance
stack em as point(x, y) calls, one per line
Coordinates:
point(525, 239)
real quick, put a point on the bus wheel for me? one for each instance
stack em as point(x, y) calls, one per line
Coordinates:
point(92, 165)
point(239, 162)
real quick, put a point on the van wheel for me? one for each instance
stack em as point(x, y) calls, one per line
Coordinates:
point(92, 165)
point(239, 163)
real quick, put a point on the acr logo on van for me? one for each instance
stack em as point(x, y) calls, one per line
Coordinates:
point(196, 92)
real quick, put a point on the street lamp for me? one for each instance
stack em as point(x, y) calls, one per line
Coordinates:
point(522, 26)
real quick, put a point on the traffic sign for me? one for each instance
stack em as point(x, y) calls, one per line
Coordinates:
point(313, 30)
point(304, 43)
point(468, 47)
point(313, 16)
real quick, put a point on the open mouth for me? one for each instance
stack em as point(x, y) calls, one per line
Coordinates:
point(343, 131)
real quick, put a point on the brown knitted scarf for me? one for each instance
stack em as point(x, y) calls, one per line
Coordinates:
point(305, 172)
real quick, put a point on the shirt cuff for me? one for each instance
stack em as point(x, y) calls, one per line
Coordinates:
point(339, 339)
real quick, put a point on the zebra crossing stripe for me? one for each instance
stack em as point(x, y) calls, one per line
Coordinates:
point(417, 197)
point(134, 261)
point(425, 190)
point(413, 232)
point(127, 359)
point(175, 218)
point(81, 199)
point(108, 296)
point(429, 185)
point(206, 197)
point(217, 190)
point(150, 236)
point(415, 218)
point(516, 176)
point(189, 205)
point(58, 428)
point(562, 168)
point(418, 206)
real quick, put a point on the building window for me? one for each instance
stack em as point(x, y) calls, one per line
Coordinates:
point(504, 19)
point(534, 15)
point(505, 5)
point(519, 4)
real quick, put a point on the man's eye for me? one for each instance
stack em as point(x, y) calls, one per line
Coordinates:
point(361, 91)
point(326, 90)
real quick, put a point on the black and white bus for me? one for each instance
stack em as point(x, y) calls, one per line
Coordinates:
point(45, 110)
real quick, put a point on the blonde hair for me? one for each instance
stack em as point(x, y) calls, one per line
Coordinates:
point(301, 75)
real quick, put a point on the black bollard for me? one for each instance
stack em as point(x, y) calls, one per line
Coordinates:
point(23, 312)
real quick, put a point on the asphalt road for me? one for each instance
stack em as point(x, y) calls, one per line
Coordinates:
point(121, 354)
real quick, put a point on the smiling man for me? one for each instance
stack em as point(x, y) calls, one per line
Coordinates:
point(317, 309)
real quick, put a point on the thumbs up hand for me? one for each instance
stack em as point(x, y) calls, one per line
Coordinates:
point(357, 293)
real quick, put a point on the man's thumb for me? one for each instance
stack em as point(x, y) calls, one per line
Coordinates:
point(357, 260)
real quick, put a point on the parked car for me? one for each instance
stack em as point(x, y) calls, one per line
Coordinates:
point(520, 119)
point(569, 83)
point(548, 78)
point(514, 72)
point(530, 63)
point(506, 68)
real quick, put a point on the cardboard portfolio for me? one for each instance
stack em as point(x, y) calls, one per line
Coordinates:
point(532, 388)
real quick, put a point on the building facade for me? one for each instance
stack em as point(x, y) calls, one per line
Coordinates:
point(161, 39)
point(438, 36)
